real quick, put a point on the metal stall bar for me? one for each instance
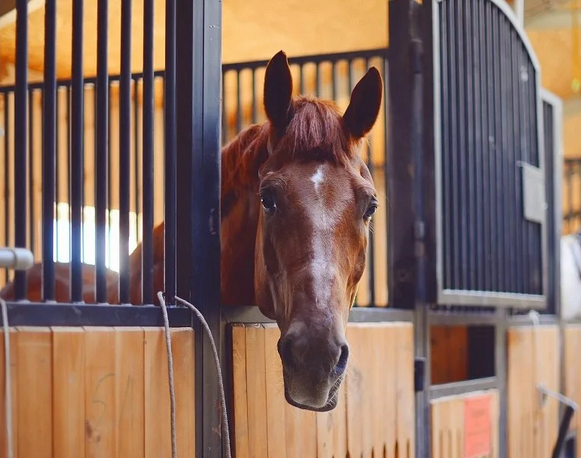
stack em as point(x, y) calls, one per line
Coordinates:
point(170, 152)
point(125, 152)
point(101, 152)
point(49, 151)
point(77, 153)
point(20, 141)
point(147, 148)
point(6, 178)
point(31, 200)
point(198, 41)
point(207, 77)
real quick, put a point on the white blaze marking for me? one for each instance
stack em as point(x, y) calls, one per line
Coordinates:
point(318, 178)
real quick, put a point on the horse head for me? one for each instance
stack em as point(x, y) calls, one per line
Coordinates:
point(317, 198)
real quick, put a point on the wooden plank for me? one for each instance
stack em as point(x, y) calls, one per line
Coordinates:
point(130, 391)
point(34, 359)
point(256, 385)
point(405, 389)
point(332, 429)
point(571, 345)
point(308, 444)
point(100, 394)
point(68, 356)
point(533, 358)
point(240, 442)
point(354, 387)
point(275, 400)
point(185, 389)
point(157, 402)
point(14, 385)
point(388, 399)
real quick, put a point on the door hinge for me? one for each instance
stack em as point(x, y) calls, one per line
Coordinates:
point(419, 373)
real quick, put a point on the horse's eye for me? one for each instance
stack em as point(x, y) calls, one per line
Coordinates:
point(370, 210)
point(268, 203)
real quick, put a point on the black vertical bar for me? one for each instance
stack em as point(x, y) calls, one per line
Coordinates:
point(69, 142)
point(170, 152)
point(7, 195)
point(137, 154)
point(238, 104)
point(350, 88)
point(31, 223)
point(57, 170)
point(301, 79)
point(125, 151)
point(472, 169)
point(49, 151)
point(386, 202)
point(101, 159)
point(20, 131)
point(450, 157)
point(510, 189)
point(401, 243)
point(481, 43)
point(198, 135)
point(446, 112)
point(371, 248)
point(109, 165)
point(77, 153)
point(317, 79)
point(490, 154)
point(334, 79)
point(253, 96)
point(147, 161)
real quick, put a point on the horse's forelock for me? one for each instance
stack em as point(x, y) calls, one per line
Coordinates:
point(316, 131)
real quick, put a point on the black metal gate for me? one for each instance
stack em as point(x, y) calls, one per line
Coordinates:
point(489, 159)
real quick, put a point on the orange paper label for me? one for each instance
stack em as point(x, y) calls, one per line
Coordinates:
point(477, 427)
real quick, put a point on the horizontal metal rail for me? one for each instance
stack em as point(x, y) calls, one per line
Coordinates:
point(464, 387)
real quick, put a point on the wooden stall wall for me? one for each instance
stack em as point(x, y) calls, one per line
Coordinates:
point(375, 416)
point(97, 392)
point(533, 359)
point(572, 371)
point(466, 425)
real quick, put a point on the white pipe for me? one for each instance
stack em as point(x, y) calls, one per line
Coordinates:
point(16, 258)
point(519, 11)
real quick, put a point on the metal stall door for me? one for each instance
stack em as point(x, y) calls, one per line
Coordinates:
point(491, 219)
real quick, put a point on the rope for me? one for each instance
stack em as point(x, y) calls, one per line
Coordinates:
point(225, 430)
point(8, 377)
point(172, 394)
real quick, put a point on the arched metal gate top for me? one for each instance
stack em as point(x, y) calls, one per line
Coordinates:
point(490, 206)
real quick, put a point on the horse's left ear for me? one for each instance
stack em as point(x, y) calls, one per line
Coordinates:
point(363, 108)
point(278, 87)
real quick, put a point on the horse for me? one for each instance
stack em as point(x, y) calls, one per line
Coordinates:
point(297, 201)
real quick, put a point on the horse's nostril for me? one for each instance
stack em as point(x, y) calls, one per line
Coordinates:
point(285, 351)
point(343, 358)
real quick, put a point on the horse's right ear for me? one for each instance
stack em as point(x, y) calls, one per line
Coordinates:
point(278, 87)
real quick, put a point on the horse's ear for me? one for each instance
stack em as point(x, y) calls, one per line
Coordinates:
point(278, 87)
point(363, 108)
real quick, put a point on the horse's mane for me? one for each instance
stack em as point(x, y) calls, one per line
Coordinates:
point(315, 132)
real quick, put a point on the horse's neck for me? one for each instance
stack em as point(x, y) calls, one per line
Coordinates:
point(240, 208)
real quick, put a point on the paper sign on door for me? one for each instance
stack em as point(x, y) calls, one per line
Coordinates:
point(477, 427)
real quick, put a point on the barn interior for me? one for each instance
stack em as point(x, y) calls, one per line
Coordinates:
point(253, 31)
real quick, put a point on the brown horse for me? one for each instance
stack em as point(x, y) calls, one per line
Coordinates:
point(296, 203)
